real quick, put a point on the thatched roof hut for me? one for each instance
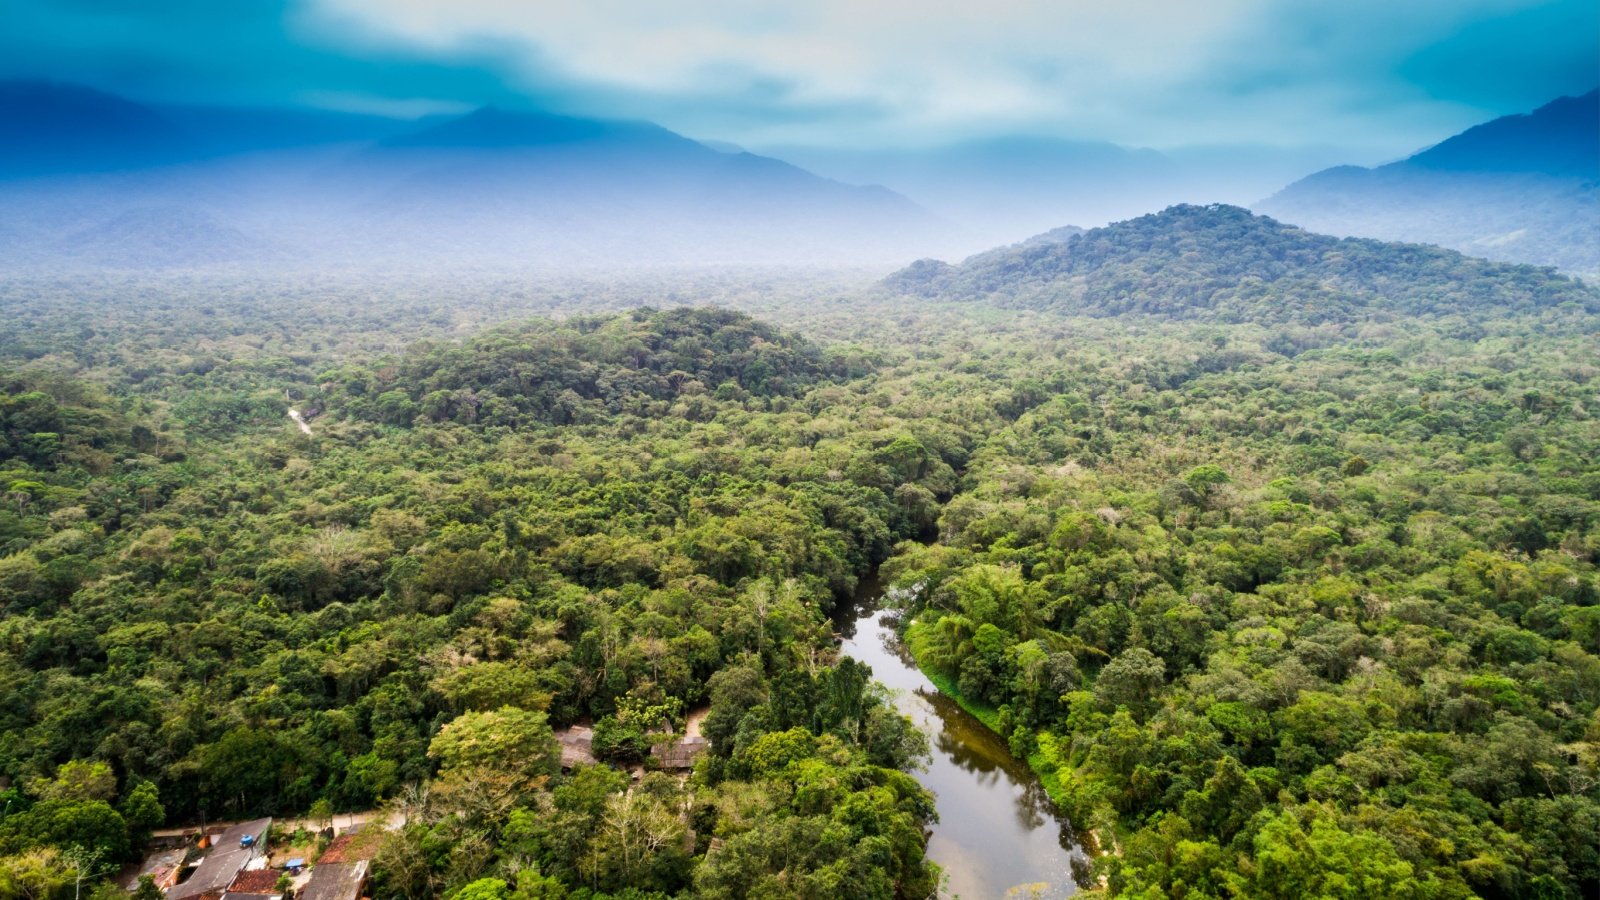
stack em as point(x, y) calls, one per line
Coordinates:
point(577, 746)
point(680, 754)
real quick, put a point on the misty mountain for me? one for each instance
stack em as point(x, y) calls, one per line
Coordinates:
point(1006, 188)
point(162, 237)
point(1225, 264)
point(1522, 188)
point(154, 237)
point(48, 127)
point(492, 128)
point(504, 184)
point(492, 188)
point(1561, 138)
point(221, 130)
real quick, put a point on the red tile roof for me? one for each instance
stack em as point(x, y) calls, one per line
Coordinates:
point(255, 881)
point(352, 847)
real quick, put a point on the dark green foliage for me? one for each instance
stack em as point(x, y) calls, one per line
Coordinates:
point(1223, 264)
point(587, 370)
point(1270, 604)
point(91, 826)
point(337, 621)
point(1286, 672)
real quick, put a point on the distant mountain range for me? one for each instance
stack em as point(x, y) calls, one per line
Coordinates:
point(88, 178)
point(47, 128)
point(1005, 188)
point(1522, 188)
point(1225, 264)
point(1002, 189)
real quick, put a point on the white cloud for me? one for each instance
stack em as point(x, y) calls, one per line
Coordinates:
point(880, 71)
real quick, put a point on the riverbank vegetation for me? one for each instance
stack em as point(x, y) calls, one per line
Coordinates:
point(1301, 619)
point(612, 520)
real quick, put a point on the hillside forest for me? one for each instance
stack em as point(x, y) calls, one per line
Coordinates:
point(1280, 568)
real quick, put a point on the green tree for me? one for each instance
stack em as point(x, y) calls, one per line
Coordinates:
point(147, 889)
point(735, 691)
point(482, 889)
point(1131, 679)
point(91, 827)
point(78, 781)
point(1326, 861)
point(321, 812)
point(1205, 479)
point(37, 874)
point(511, 740)
point(143, 812)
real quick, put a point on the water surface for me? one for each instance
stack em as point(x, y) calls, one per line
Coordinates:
point(998, 834)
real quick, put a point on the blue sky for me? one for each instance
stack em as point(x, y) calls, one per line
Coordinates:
point(1379, 78)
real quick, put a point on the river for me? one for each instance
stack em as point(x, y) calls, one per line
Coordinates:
point(998, 834)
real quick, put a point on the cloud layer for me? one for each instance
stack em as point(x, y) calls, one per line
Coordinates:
point(1372, 74)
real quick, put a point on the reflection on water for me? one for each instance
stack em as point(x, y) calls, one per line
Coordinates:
point(997, 833)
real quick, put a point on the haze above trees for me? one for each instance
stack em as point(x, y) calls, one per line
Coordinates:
point(96, 181)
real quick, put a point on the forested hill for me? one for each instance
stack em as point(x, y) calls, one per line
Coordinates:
point(584, 370)
point(206, 613)
point(1225, 264)
point(1273, 618)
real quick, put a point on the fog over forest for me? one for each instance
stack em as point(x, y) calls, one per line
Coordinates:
point(476, 451)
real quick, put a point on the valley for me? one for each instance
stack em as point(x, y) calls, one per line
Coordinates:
point(1259, 570)
point(479, 450)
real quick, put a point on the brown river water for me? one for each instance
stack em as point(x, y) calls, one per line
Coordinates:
point(998, 834)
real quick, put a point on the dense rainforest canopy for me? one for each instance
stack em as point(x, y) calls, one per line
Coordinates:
point(1280, 602)
point(1223, 264)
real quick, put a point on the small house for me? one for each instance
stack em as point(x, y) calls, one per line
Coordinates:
point(336, 881)
point(355, 845)
point(239, 847)
point(163, 867)
point(577, 746)
point(681, 754)
point(255, 884)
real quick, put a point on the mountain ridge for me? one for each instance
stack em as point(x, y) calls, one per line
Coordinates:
point(495, 186)
point(1227, 264)
point(1521, 188)
point(1560, 138)
point(49, 127)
